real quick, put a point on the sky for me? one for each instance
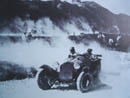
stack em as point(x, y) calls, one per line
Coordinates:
point(116, 6)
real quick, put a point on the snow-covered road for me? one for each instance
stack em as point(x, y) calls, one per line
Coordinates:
point(118, 88)
point(28, 89)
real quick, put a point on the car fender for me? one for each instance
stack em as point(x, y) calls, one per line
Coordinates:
point(49, 70)
point(46, 68)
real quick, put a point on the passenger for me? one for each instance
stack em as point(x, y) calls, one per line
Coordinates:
point(88, 54)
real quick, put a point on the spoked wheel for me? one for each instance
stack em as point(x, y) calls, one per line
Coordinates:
point(45, 81)
point(84, 82)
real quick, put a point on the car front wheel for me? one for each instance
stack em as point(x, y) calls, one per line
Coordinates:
point(84, 82)
point(44, 81)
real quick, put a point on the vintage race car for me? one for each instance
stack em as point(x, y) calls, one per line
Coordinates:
point(79, 71)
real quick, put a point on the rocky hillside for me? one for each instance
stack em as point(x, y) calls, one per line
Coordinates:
point(99, 18)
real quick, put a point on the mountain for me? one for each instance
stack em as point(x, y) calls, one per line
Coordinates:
point(97, 17)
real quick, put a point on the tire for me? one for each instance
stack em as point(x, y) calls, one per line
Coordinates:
point(44, 81)
point(84, 82)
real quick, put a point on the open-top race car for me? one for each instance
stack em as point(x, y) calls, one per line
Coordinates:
point(80, 71)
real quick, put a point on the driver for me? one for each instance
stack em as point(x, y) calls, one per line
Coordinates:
point(72, 54)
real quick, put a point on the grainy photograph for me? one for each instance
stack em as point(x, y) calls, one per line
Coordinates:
point(65, 49)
